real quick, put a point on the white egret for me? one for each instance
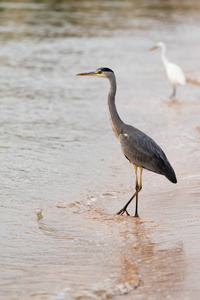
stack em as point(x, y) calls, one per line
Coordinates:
point(174, 73)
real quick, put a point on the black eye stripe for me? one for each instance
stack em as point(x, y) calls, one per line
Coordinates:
point(106, 70)
point(103, 70)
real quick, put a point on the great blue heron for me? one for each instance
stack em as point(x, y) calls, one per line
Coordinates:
point(141, 151)
point(174, 73)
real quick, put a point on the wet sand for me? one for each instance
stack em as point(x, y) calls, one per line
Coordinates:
point(63, 176)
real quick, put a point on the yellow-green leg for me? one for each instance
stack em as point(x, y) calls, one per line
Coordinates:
point(138, 189)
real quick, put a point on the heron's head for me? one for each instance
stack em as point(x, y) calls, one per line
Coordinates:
point(100, 72)
point(158, 45)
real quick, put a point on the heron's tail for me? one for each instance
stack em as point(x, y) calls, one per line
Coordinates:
point(167, 170)
point(170, 174)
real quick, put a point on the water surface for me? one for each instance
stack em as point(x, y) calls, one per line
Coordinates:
point(60, 157)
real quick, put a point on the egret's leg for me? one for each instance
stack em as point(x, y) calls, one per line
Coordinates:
point(174, 92)
point(138, 189)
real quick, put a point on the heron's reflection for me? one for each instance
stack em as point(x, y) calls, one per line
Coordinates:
point(126, 252)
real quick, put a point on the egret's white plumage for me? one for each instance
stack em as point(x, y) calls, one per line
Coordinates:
point(174, 73)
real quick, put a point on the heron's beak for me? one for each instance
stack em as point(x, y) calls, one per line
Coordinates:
point(153, 48)
point(87, 74)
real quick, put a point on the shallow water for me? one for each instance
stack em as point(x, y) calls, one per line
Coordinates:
point(63, 176)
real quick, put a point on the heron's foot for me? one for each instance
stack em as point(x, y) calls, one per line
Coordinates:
point(136, 216)
point(122, 211)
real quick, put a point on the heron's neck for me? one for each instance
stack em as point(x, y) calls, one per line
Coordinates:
point(115, 120)
point(163, 56)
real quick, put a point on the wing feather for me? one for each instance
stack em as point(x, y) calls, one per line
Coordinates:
point(142, 151)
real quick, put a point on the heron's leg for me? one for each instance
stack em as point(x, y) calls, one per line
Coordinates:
point(174, 92)
point(124, 209)
point(138, 189)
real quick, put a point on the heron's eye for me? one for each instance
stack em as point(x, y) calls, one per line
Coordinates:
point(98, 72)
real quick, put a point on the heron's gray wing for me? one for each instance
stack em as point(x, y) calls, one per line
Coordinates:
point(142, 151)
